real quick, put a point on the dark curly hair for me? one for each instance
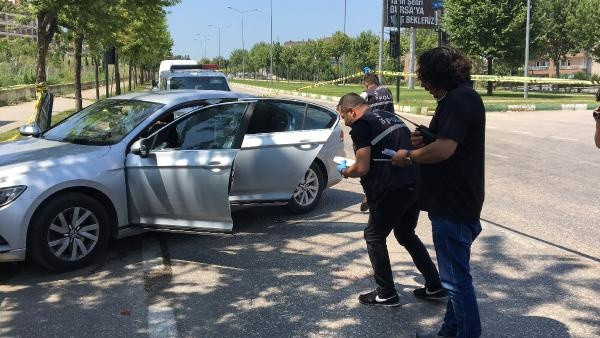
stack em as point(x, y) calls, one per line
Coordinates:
point(444, 68)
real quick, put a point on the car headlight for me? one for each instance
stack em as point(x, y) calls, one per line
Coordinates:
point(10, 194)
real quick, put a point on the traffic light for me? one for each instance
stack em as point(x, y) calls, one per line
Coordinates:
point(394, 44)
point(109, 56)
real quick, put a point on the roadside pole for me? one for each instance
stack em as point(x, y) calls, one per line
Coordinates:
point(398, 59)
point(381, 37)
point(411, 64)
point(526, 84)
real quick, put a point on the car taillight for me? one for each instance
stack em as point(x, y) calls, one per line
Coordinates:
point(341, 135)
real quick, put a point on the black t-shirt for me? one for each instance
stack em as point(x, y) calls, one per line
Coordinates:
point(380, 97)
point(454, 188)
point(382, 177)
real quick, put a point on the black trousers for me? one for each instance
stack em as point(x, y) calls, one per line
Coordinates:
point(398, 211)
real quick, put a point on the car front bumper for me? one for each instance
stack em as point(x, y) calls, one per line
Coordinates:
point(14, 219)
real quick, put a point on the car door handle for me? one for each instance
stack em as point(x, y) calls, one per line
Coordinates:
point(305, 144)
point(214, 163)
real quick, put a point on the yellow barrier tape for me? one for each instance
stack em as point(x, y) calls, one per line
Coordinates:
point(40, 89)
point(487, 78)
point(332, 81)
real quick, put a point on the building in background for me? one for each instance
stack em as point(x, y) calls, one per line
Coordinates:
point(569, 66)
point(13, 25)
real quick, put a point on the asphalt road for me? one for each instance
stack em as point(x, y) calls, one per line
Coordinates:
point(536, 265)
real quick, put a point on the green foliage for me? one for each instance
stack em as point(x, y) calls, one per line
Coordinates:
point(558, 23)
point(488, 28)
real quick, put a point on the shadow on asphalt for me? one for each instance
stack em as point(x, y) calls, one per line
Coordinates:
point(284, 275)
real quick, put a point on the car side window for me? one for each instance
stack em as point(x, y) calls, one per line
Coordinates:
point(276, 116)
point(212, 128)
point(318, 118)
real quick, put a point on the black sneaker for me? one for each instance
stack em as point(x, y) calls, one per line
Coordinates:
point(375, 298)
point(364, 206)
point(425, 293)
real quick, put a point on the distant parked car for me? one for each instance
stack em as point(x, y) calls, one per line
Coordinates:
point(171, 161)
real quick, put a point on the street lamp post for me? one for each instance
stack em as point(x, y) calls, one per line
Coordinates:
point(219, 29)
point(271, 70)
point(344, 55)
point(526, 84)
point(206, 38)
point(242, 12)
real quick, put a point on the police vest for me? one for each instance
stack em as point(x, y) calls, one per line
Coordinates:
point(388, 132)
point(380, 97)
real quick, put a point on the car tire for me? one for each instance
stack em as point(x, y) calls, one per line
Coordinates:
point(68, 232)
point(308, 193)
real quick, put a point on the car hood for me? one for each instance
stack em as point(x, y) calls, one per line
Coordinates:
point(34, 154)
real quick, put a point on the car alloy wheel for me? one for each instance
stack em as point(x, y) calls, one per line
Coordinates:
point(307, 191)
point(73, 234)
point(68, 231)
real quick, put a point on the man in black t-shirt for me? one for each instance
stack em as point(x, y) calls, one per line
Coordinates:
point(452, 173)
point(392, 195)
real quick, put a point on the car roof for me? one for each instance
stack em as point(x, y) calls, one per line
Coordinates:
point(194, 73)
point(169, 97)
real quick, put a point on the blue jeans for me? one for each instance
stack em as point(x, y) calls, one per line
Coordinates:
point(452, 241)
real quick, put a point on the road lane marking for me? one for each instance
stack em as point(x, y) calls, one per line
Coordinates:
point(497, 155)
point(491, 127)
point(520, 132)
point(564, 139)
point(161, 318)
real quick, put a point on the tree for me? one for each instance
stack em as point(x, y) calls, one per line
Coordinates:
point(46, 14)
point(586, 27)
point(557, 22)
point(491, 29)
point(259, 56)
point(89, 20)
point(288, 56)
point(364, 52)
point(337, 45)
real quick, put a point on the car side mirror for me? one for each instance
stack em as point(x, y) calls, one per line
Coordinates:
point(140, 148)
point(31, 129)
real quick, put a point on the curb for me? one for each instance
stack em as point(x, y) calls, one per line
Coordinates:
point(424, 110)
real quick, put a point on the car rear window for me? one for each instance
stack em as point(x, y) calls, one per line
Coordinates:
point(198, 82)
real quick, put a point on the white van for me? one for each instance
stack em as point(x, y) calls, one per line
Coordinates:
point(165, 65)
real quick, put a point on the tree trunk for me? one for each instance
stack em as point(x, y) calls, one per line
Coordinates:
point(129, 65)
point(556, 60)
point(97, 77)
point(47, 26)
point(490, 88)
point(78, 48)
point(117, 74)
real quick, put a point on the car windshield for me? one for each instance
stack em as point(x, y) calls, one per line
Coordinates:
point(102, 123)
point(199, 82)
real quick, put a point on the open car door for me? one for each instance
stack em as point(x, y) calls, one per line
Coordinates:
point(180, 178)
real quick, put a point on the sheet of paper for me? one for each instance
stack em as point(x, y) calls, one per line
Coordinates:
point(339, 159)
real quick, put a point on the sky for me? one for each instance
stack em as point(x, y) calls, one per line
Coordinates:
point(292, 20)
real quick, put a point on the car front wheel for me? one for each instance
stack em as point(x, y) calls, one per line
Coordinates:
point(308, 193)
point(69, 232)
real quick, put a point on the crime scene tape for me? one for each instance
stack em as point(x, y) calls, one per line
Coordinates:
point(40, 90)
point(486, 78)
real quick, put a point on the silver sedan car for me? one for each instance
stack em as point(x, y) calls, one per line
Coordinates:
point(170, 161)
